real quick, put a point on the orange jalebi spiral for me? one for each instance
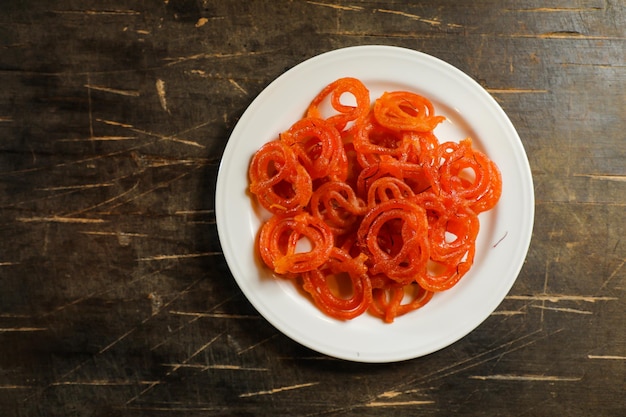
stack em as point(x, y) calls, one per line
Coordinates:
point(340, 265)
point(403, 110)
point(319, 148)
point(279, 182)
point(280, 237)
point(372, 140)
point(452, 230)
point(467, 174)
point(394, 235)
point(336, 203)
point(344, 114)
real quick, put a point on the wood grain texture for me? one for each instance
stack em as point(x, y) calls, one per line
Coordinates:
point(115, 297)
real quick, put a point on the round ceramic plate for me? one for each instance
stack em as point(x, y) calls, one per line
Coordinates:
point(504, 235)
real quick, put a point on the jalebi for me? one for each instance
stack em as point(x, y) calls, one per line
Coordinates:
point(370, 212)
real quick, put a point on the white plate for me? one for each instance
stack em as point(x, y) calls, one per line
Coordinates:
point(502, 242)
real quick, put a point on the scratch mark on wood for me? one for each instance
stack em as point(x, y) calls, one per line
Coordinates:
point(175, 368)
point(237, 86)
point(22, 329)
point(8, 264)
point(15, 387)
point(202, 222)
point(397, 403)
point(593, 65)
point(385, 35)
point(607, 357)
point(171, 409)
point(606, 177)
point(114, 123)
point(130, 93)
point(568, 35)
point(160, 88)
point(507, 313)
point(59, 219)
point(581, 203)
point(472, 362)
point(216, 367)
point(612, 275)
point(307, 358)
point(171, 138)
point(516, 91)
point(179, 256)
point(99, 12)
point(215, 315)
point(147, 389)
point(75, 187)
point(336, 6)
point(254, 346)
point(219, 76)
point(277, 390)
point(507, 377)
point(5, 119)
point(91, 134)
point(99, 139)
point(193, 212)
point(102, 383)
point(555, 298)
point(198, 351)
point(564, 310)
point(224, 301)
point(180, 294)
point(107, 201)
point(236, 368)
point(432, 22)
point(171, 331)
point(155, 162)
point(194, 318)
point(116, 234)
point(390, 394)
point(195, 57)
point(545, 288)
point(555, 9)
point(160, 136)
point(116, 341)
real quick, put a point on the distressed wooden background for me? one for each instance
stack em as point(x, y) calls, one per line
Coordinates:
point(115, 299)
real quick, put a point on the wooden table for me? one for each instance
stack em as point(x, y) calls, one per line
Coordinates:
point(115, 297)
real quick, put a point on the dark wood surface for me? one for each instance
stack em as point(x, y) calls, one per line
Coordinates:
point(115, 299)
